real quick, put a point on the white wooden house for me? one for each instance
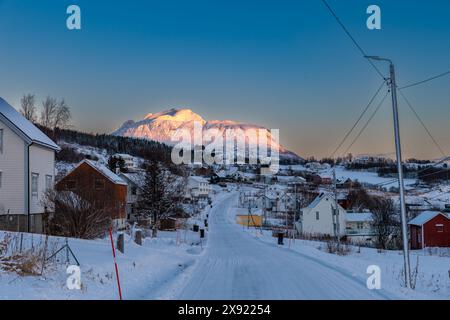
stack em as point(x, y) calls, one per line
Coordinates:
point(27, 170)
point(359, 227)
point(129, 161)
point(135, 181)
point(318, 218)
point(197, 187)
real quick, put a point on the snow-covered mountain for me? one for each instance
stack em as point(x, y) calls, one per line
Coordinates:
point(162, 126)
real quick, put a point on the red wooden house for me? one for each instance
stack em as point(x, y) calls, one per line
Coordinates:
point(430, 229)
point(101, 185)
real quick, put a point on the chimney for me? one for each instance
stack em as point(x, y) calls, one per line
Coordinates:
point(117, 168)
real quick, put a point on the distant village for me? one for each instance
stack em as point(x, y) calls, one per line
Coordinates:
point(56, 182)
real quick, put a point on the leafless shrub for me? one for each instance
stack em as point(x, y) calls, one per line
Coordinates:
point(26, 264)
point(75, 216)
point(24, 259)
point(337, 248)
point(414, 274)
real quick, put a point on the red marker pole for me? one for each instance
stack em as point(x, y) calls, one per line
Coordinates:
point(115, 263)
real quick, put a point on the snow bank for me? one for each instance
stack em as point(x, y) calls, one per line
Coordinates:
point(143, 270)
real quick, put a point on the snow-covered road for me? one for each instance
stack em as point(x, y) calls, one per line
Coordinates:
point(235, 265)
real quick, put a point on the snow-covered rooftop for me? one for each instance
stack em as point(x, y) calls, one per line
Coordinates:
point(123, 155)
point(198, 179)
point(424, 217)
point(105, 171)
point(135, 177)
point(317, 200)
point(359, 217)
point(29, 130)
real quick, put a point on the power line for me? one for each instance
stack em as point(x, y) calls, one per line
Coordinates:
point(441, 193)
point(423, 124)
point(418, 172)
point(426, 80)
point(358, 120)
point(433, 173)
point(363, 53)
point(367, 123)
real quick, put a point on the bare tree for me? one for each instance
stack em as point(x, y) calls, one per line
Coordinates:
point(385, 221)
point(62, 115)
point(359, 199)
point(75, 216)
point(55, 114)
point(28, 107)
point(48, 113)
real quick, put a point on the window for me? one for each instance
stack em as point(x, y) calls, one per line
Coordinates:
point(317, 215)
point(48, 182)
point(359, 225)
point(1, 140)
point(71, 184)
point(34, 185)
point(440, 228)
point(133, 190)
point(99, 184)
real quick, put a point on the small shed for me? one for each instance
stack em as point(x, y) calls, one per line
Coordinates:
point(168, 224)
point(430, 229)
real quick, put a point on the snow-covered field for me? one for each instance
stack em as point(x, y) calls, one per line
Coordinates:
point(146, 272)
point(369, 177)
point(143, 269)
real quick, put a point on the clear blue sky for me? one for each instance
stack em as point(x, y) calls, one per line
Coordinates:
point(282, 64)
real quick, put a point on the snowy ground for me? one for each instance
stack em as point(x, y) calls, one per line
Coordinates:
point(143, 270)
point(236, 265)
point(433, 276)
point(233, 262)
point(369, 177)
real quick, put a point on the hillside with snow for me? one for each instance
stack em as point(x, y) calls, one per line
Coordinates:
point(164, 125)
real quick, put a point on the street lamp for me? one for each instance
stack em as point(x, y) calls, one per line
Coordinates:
point(398, 152)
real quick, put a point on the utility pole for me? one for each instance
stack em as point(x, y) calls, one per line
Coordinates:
point(336, 208)
point(398, 152)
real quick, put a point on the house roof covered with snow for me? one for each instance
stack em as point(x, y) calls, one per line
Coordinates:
point(319, 198)
point(135, 178)
point(103, 170)
point(122, 155)
point(227, 172)
point(287, 179)
point(316, 201)
point(24, 128)
point(198, 179)
point(425, 216)
point(359, 217)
